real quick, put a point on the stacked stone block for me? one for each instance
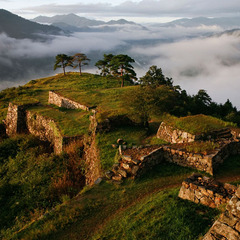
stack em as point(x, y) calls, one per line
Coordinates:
point(134, 168)
point(174, 135)
point(206, 191)
point(60, 101)
point(227, 227)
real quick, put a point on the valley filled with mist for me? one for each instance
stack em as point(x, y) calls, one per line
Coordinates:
point(198, 53)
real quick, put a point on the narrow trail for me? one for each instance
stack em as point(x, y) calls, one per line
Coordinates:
point(137, 200)
point(142, 197)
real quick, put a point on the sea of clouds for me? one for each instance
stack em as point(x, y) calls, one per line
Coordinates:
point(196, 58)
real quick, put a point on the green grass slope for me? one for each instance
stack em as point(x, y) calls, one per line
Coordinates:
point(36, 185)
point(84, 87)
point(144, 209)
point(198, 124)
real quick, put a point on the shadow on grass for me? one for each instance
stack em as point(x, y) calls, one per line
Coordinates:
point(230, 167)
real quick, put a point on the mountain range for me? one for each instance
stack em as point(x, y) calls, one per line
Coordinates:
point(223, 22)
point(74, 23)
point(19, 28)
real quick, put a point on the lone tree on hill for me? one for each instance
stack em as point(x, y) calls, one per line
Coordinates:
point(146, 102)
point(81, 60)
point(62, 61)
point(120, 65)
point(103, 65)
point(154, 77)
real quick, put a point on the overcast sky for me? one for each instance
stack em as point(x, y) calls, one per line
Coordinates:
point(138, 10)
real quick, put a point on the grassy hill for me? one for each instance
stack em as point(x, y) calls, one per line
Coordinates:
point(42, 194)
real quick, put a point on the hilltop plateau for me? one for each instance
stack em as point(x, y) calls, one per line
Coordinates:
point(83, 158)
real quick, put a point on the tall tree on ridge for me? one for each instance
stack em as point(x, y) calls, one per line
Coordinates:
point(120, 65)
point(81, 60)
point(62, 61)
point(103, 65)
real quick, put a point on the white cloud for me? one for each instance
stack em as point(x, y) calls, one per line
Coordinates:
point(208, 63)
point(148, 8)
point(211, 63)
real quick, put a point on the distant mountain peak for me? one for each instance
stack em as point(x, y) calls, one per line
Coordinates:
point(18, 27)
point(72, 21)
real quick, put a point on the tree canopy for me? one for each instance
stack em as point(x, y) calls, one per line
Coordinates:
point(62, 61)
point(103, 64)
point(117, 65)
point(154, 77)
point(81, 60)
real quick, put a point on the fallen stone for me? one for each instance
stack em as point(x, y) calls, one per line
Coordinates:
point(122, 173)
point(136, 162)
point(135, 170)
point(127, 158)
point(117, 178)
point(124, 147)
point(109, 174)
point(115, 167)
point(120, 141)
point(98, 181)
point(125, 166)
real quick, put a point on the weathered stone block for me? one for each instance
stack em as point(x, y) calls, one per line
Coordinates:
point(125, 166)
point(225, 231)
point(127, 158)
point(117, 178)
point(238, 192)
point(122, 173)
point(109, 174)
point(228, 219)
point(135, 170)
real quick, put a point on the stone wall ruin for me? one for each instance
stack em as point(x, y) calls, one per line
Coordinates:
point(206, 191)
point(174, 135)
point(60, 101)
point(130, 166)
point(207, 163)
point(227, 227)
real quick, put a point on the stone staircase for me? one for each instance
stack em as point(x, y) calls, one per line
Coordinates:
point(224, 133)
point(135, 162)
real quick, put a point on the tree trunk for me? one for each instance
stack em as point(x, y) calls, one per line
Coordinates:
point(80, 69)
point(122, 85)
point(63, 66)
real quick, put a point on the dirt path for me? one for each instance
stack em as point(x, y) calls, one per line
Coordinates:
point(137, 200)
point(142, 197)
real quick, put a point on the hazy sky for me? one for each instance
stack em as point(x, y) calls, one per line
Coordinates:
point(138, 10)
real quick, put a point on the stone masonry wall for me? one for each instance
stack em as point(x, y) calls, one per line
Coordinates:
point(92, 155)
point(46, 129)
point(173, 135)
point(187, 159)
point(60, 101)
point(206, 163)
point(206, 191)
point(15, 121)
point(131, 166)
point(134, 168)
point(227, 227)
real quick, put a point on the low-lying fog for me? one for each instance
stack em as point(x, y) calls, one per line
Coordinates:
point(196, 58)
